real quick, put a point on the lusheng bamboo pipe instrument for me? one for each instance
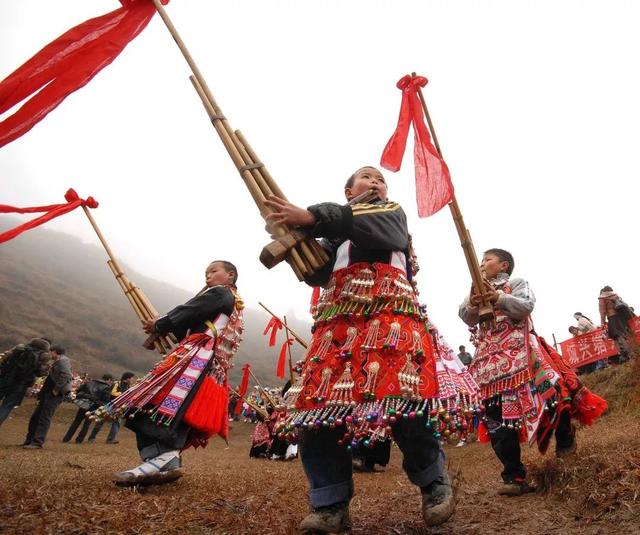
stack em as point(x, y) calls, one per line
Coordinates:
point(137, 299)
point(264, 390)
point(303, 254)
point(485, 310)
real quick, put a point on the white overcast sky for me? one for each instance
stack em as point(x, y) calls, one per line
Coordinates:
point(535, 104)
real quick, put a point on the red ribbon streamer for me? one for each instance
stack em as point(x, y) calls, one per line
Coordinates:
point(51, 211)
point(274, 325)
point(282, 359)
point(242, 389)
point(68, 63)
point(433, 182)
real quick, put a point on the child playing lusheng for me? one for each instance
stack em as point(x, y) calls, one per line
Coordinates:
point(528, 391)
point(184, 401)
point(369, 373)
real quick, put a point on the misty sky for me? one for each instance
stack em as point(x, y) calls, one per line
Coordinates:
point(535, 105)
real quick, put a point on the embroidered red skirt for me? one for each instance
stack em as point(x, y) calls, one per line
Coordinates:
point(370, 361)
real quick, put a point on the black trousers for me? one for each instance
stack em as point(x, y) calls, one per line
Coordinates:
point(506, 442)
point(153, 439)
point(11, 397)
point(79, 419)
point(41, 418)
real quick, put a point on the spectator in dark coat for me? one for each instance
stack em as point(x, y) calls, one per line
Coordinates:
point(119, 387)
point(55, 388)
point(89, 397)
point(19, 370)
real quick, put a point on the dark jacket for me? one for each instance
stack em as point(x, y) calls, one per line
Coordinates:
point(191, 317)
point(96, 390)
point(22, 365)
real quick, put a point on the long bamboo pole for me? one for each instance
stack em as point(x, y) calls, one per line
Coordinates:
point(255, 407)
point(264, 390)
point(485, 311)
point(288, 329)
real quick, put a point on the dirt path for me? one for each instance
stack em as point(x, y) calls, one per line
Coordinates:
point(65, 488)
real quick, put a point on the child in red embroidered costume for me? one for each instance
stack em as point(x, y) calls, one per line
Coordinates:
point(369, 372)
point(184, 400)
point(529, 393)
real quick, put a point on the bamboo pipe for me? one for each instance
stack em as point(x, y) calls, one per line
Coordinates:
point(291, 378)
point(299, 267)
point(255, 407)
point(485, 312)
point(264, 390)
point(221, 125)
point(289, 330)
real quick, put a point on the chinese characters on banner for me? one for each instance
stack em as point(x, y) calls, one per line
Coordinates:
point(590, 347)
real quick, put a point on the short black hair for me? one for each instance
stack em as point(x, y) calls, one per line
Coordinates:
point(107, 377)
point(229, 268)
point(503, 256)
point(607, 289)
point(351, 179)
point(127, 375)
point(58, 349)
point(462, 347)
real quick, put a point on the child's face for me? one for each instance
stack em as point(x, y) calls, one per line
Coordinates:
point(217, 275)
point(491, 265)
point(365, 179)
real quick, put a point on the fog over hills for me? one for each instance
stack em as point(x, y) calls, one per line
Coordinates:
point(54, 285)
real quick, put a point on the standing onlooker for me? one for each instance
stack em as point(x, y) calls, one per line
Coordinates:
point(464, 356)
point(585, 325)
point(19, 370)
point(118, 388)
point(56, 386)
point(89, 397)
point(615, 315)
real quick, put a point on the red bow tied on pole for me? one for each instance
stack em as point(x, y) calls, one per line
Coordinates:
point(433, 182)
point(274, 326)
point(68, 63)
point(282, 359)
point(51, 211)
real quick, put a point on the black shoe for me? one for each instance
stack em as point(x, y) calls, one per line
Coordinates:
point(438, 501)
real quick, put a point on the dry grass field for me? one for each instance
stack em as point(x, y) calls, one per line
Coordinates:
point(66, 488)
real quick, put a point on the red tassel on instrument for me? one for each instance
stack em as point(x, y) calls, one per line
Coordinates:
point(274, 326)
point(433, 182)
point(282, 359)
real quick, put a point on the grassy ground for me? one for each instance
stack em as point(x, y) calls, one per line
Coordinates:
point(66, 488)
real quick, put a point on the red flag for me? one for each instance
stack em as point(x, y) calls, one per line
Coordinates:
point(274, 326)
point(51, 211)
point(433, 182)
point(282, 359)
point(68, 63)
point(244, 385)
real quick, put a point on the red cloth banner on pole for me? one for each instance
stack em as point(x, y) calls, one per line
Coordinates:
point(242, 389)
point(433, 181)
point(68, 63)
point(51, 211)
point(282, 359)
point(274, 326)
point(587, 348)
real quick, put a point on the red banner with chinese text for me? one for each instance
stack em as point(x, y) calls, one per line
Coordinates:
point(587, 348)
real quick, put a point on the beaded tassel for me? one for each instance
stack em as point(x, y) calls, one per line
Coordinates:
point(323, 389)
point(327, 295)
point(416, 348)
point(346, 292)
point(393, 337)
point(409, 380)
point(371, 339)
point(323, 348)
point(342, 391)
point(362, 286)
point(403, 287)
point(345, 350)
point(368, 391)
point(385, 286)
point(291, 396)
